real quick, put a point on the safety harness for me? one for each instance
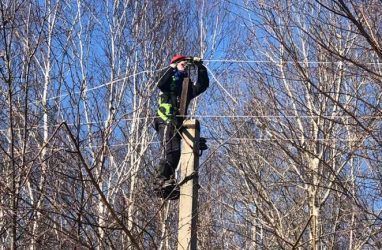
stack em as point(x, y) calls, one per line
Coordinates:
point(168, 102)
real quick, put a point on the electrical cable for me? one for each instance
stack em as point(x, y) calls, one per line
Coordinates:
point(211, 117)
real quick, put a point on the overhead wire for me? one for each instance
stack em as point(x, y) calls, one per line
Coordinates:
point(210, 117)
point(208, 68)
point(281, 62)
point(102, 85)
point(221, 86)
point(218, 141)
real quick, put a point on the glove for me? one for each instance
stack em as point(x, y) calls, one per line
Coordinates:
point(173, 65)
point(197, 60)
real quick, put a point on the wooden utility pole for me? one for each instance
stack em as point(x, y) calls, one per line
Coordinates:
point(185, 97)
point(188, 200)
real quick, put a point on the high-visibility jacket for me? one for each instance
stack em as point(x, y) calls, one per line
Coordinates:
point(170, 83)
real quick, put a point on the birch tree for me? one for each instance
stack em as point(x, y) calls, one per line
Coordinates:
point(307, 133)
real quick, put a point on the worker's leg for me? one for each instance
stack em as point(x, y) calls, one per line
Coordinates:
point(170, 154)
point(170, 150)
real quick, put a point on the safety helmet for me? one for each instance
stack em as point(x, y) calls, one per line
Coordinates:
point(177, 58)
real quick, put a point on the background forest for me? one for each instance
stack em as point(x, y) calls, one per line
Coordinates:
point(292, 116)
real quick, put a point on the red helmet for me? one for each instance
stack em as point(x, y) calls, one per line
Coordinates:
point(177, 58)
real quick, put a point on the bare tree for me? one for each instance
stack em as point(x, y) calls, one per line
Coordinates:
point(292, 117)
point(310, 127)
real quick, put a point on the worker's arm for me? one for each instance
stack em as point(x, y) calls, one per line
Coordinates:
point(165, 78)
point(202, 83)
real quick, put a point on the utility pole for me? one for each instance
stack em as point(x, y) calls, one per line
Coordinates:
point(188, 200)
point(189, 163)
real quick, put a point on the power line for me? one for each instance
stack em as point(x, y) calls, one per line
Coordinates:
point(213, 75)
point(280, 62)
point(210, 117)
point(226, 140)
point(244, 139)
point(285, 116)
point(102, 85)
point(197, 116)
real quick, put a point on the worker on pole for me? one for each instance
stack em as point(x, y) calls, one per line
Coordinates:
point(168, 123)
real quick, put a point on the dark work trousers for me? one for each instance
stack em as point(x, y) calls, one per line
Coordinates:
point(170, 148)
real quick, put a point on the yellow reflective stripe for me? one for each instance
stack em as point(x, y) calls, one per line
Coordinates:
point(166, 107)
point(163, 116)
point(164, 111)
